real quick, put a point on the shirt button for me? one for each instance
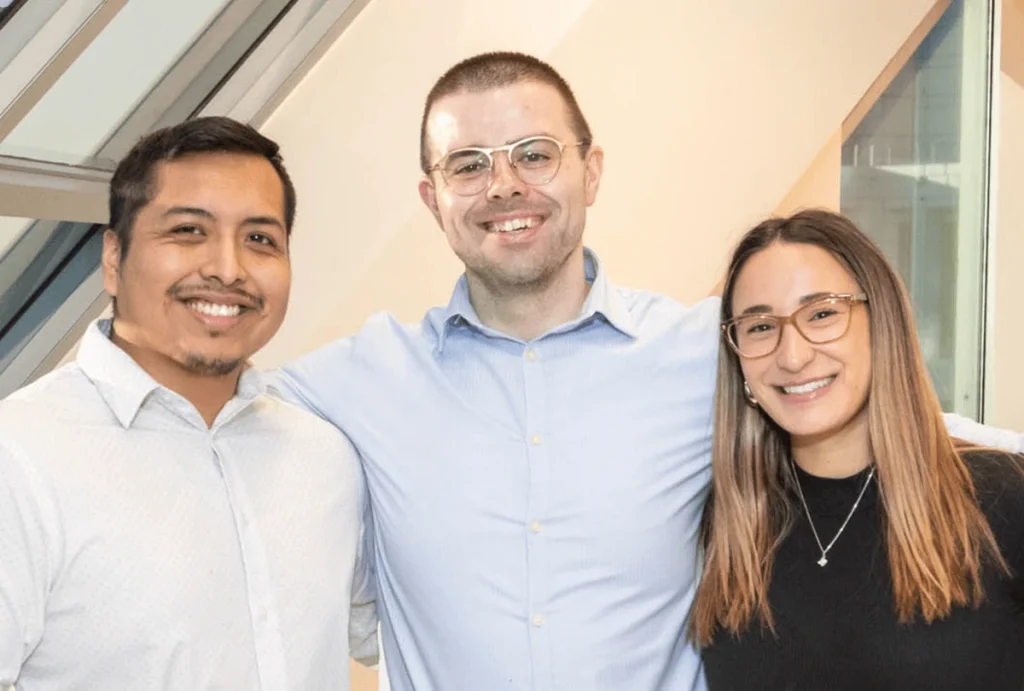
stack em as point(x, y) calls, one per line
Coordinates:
point(538, 620)
point(536, 439)
point(261, 615)
point(535, 526)
point(531, 354)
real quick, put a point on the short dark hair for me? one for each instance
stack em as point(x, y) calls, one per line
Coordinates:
point(131, 188)
point(495, 70)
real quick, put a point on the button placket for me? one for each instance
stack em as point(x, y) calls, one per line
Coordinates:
point(539, 462)
point(266, 633)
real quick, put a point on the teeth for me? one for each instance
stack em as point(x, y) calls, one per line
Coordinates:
point(214, 310)
point(809, 386)
point(513, 225)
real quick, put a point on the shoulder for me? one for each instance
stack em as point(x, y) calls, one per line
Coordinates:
point(35, 436)
point(651, 310)
point(280, 416)
point(995, 470)
point(381, 336)
point(999, 483)
point(380, 345)
point(280, 428)
point(60, 398)
point(685, 334)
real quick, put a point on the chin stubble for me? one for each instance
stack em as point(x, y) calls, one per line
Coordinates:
point(210, 367)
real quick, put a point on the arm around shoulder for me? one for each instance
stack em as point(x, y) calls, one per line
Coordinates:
point(312, 381)
point(984, 435)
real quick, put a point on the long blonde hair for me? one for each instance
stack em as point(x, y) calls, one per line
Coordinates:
point(937, 536)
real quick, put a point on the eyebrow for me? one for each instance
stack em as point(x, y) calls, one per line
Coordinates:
point(197, 211)
point(507, 142)
point(806, 299)
point(187, 211)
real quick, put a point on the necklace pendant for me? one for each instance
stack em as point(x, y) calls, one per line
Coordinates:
point(823, 560)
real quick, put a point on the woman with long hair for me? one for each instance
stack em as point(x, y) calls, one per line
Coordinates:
point(848, 541)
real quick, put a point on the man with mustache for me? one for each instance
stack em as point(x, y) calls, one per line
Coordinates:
point(164, 523)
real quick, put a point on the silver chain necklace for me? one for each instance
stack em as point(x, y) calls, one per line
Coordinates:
point(824, 550)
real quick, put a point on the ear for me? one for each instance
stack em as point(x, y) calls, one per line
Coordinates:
point(593, 167)
point(428, 193)
point(111, 259)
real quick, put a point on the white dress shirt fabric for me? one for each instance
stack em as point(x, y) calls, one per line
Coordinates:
point(141, 549)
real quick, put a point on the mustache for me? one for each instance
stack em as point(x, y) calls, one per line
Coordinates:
point(215, 288)
point(498, 208)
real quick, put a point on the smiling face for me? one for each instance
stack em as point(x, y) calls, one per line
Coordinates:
point(205, 281)
point(812, 391)
point(511, 234)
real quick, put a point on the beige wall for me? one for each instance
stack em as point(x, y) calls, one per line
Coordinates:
point(709, 113)
point(1005, 374)
point(820, 184)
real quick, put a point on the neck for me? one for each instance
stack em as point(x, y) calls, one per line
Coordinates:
point(527, 312)
point(837, 454)
point(208, 394)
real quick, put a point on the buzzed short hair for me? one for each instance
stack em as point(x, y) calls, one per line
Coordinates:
point(493, 71)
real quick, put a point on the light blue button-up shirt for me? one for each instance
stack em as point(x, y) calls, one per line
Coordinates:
point(536, 504)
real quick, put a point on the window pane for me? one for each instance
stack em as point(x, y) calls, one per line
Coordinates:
point(109, 79)
point(8, 7)
point(10, 230)
point(31, 35)
point(914, 178)
point(46, 264)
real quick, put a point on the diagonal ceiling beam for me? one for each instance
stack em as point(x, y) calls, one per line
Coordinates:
point(898, 61)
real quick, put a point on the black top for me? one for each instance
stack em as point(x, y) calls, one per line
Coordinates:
point(836, 625)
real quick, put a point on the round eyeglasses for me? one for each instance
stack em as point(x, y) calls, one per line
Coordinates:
point(535, 160)
point(822, 321)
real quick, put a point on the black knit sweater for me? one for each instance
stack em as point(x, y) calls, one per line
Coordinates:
point(836, 626)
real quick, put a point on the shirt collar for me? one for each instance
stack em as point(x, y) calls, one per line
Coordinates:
point(603, 300)
point(125, 386)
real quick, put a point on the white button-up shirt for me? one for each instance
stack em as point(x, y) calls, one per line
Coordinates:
point(141, 549)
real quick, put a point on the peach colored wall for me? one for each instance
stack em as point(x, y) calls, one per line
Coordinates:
point(1013, 40)
point(821, 182)
point(363, 679)
point(709, 114)
point(1005, 372)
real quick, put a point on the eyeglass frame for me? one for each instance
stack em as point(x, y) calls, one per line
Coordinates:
point(489, 152)
point(850, 298)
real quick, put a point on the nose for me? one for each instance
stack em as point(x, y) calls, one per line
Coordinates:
point(224, 261)
point(794, 351)
point(505, 182)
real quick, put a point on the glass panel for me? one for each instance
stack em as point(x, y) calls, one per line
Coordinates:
point(8, 8)
point(43, 265)
point(914, 177)
point(11, 229)
point(31, 39)
point(109, 79)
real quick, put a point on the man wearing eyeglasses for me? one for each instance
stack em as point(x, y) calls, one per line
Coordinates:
point(537, 451)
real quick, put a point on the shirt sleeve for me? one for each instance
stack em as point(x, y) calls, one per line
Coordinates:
point(288, 387)
point(317, 382)
point(363, 620)
point(26, 563)
point(984, 435)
